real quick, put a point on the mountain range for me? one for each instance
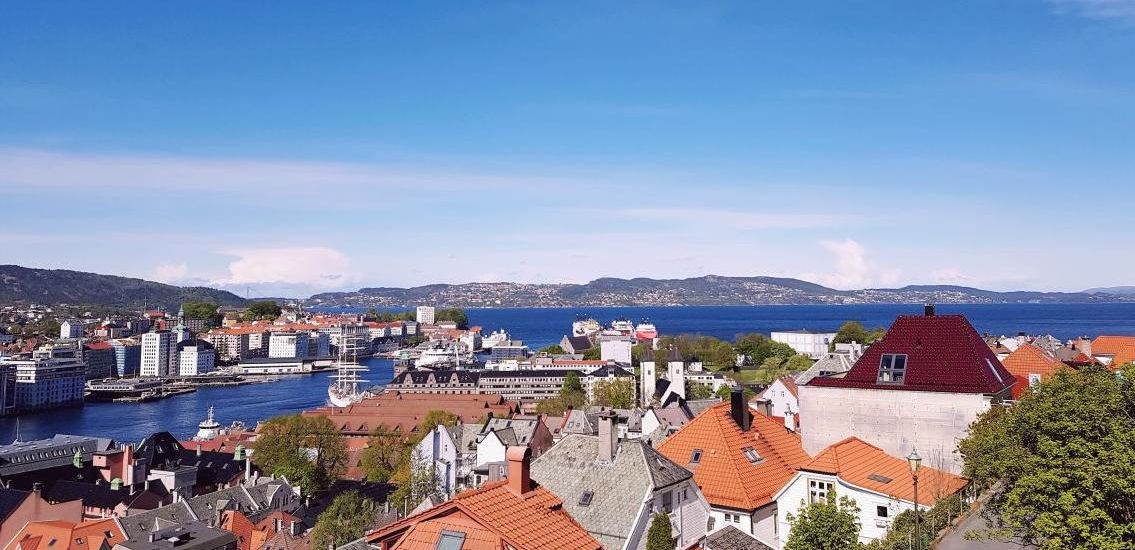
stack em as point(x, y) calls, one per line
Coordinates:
point(55, 286)
point(60, 286)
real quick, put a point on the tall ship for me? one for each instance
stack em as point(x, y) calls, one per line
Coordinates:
point(645, 331)
point(345, 390)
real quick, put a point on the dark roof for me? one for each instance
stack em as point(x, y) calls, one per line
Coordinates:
point(441, 376)
point(534, 373)
point(944, 354)
point(10, 499)
point(579, 343)
point(732, 538)
point(608, 370)
point(92, 495)
point(194, 342)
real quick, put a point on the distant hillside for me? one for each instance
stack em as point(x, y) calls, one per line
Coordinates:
point(1114, 290)
point(58, 286)
point(707, 290)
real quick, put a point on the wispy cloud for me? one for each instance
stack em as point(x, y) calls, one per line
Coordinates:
point(853, 268)
point(316, 267)
point(1097, 9)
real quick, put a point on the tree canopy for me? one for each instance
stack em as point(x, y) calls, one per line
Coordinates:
point(553, 349)
point(658, 536)
point(854, 331)
point(200, 310)
point(264, 309)
point(618, 393)
point(758, 348)
point(825, 525)
point(347, 518)
point(307, 450)
point(1065, 455)
point(454, 314)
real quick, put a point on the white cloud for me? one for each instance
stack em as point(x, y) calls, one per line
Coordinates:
point(853, 270)
point(1097, 9)
point(170, 273)
point(951, 276)
point(316, 267)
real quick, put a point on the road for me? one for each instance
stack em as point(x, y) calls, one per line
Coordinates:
point(956, 540)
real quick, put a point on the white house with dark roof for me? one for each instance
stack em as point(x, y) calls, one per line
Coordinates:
point(613, 488)
point(920, 386)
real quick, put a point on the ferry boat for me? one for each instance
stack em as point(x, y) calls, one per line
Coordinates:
point(623, 326)
point(497, 338)
point(645, 331)
point(344, 391)
point(585, 326)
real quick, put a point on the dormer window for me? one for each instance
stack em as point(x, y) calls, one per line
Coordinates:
point(892, 368)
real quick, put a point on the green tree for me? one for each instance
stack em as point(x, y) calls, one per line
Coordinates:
point(348, 518)
point(453, 314)
point(417, 480)
point(854, 331)
point(592, 354)
point(433, 419)
point(265, 309)
point(200, 310)
point(618, 393)
point(308, 450)
point(1065, 455)
point(825, 525)
point(724, 392)
point(658, 536)
point(383, 454)
point(554, 406)
point(553, 349)
point(695, 390)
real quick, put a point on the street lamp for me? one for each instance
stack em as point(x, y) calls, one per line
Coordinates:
point(915, 462)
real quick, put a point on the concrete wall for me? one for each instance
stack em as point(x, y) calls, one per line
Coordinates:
point(896, 421)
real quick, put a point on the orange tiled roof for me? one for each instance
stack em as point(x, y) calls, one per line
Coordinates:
point(726, 476)
point(1121, 347)
point(493, 517)
point(856, 462)
point(87, 535)
point(405, 411)
point(1029, 359)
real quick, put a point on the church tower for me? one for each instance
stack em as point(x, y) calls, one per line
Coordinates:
point(676, 373)
point(647, 377)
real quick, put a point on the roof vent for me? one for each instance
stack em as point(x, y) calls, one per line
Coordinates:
point(880, 478)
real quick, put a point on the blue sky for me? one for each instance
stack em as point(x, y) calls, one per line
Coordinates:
point(290, 148)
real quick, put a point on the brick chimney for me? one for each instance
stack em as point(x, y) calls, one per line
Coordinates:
point(608, 436)
point(519, 463)
point(738, 409)
point(1083, 345)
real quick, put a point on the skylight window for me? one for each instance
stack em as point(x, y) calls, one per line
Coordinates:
point(695, 456)
point(585, 498)
point(450, 540)
point(892, 368)
point(752, 455)
point(880, 478)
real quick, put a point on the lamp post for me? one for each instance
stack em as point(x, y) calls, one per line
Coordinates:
point(915, 462)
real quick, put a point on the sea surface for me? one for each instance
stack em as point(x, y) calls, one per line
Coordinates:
point(130, 422)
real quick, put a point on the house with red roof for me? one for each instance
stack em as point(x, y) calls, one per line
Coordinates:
point(782, 397)
point(1113, 351)
point(920, 386)
point(881, 485)
point(515, 513)
point(740, 459)
point(1030, 365)
point(101, 534)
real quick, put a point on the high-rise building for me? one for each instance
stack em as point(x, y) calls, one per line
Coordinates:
point(127, 357)
point(53, 377)
point(195, 357)
point(99, 358)
point(425, 315)
point(288, 344)
point(156, 351)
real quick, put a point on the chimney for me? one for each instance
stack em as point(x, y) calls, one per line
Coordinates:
point(764, 406)
point(153, 536)
point(1084, 345)
point(928, 309)
point(738, 409)
point(37, 487)
point(295, 528)
point(519, 462)
point(608, 437)
point(790, 421)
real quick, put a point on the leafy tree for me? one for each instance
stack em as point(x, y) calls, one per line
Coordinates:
point(724, 392)
point(658, 536)
point(618, 393)
point(695, 390)
point(854, 331)
point(383, 454)
point(371, 314)
point(307, 450)
point(346, 519)
point(592, 354)
point(1065, 455)
point(825, 525)
point(553, 406)
point(200, 310)
point(758, 348)
point(553, 349)
point(265, 309)
point(417, 480)
point(453, 314)
point(433, 419)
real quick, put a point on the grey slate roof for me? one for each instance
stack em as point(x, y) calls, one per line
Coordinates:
point(571, 467)
point(358, 544)
point(732, 538)
point(511, 431)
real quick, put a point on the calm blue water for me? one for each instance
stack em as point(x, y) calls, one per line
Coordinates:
point(538, 328)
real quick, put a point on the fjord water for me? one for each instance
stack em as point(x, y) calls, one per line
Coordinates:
point(538, 328)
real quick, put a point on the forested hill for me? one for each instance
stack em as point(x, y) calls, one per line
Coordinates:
point(59, 286)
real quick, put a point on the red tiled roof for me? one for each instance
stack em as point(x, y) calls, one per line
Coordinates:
point(726, 476)
point(1122, 348)
point(405, 411)
point(492, 517)
point(944, 354)
point(87, 535)
point(1030, 359)
point(867, 466)
point(98, 345)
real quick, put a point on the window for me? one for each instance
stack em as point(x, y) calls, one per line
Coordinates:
point(752, 455)
point(892, 368)
point(585, 498)
point(450, 540)
point(695, 457)
point(882, 511)
point(667, 502)
point(1034, 379)
point(818, 490)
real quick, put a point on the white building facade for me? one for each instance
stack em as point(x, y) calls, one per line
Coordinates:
point(425, 315)
point(195, 357)
point(157, 349)
point(288, 344)
point(805, 342)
